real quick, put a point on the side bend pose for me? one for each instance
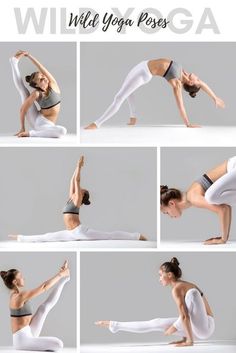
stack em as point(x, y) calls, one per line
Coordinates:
point(74, 229)
point(195, 319)
point(26, 327)
point(214, 191)
point(142, 74)
point(46, 94)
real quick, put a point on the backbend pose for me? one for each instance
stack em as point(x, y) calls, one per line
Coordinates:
point(215, 191)
point(142, 74)
point(26, 327)
point(195, 319)
point(46, 94)
point(74, 229)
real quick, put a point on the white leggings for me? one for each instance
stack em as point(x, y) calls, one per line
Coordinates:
point(41, 127)
point(223, 190)
point(28, 337)
point(79, 233)
point(202, 324)
point(137, 77)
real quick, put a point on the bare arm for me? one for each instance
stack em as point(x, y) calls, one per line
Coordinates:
point(41, 68)
point(75, 181)
point(218, 102)
point(25, 107)
point(223, 212)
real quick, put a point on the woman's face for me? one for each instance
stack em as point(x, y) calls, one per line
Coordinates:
point(172, 209)
point(19, 280)
point(41, 81)
point(164, 277)
point(193, 80)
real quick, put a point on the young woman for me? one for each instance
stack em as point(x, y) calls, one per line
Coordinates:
point(195, 319)
point(74, 229)
point(26, 326)
point(214, 191)
point(46, 93)
point(142, 74)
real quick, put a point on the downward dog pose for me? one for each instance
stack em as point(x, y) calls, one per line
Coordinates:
point(26, 327)
point(46, 94)
point(74, 229)
point(215, 191)
point(195, 319)
point(142, 74)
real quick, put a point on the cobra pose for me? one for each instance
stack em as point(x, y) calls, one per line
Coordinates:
point(26, 326)
point(214, 191)
point(74, 229)
point(142, 74)
point(46, 93)
point(195, 319)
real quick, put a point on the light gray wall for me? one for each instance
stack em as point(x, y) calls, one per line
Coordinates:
point(125, 287)
point(104, 67)
point(36, 268)
point(179, 168)
point(35, 187)
point(60, 59)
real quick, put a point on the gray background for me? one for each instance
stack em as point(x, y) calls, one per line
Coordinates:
point(104, 67)
point(35, 187)
point(124, 287)
point(180, 167)
point(36, 268)
point(59, 59)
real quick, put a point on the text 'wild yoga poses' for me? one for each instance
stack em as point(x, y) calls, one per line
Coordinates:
point(195, 319)
point(26, 326)
point(142, 74)
point(74, 229)
point(214, 191)
point(46, 94)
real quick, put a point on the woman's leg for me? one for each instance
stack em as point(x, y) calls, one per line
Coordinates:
point(223, 190)
point(46, 128)
point(86, 233)
point(63, 235)
point(43, 310)
point(32, 113)
point(202, 324)
point(137, 77)
point(24, 340)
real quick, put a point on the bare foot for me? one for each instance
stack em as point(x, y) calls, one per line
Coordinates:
point(23, 134)
point(180, 341)
point(142, 237)
point(105, 323)
point(20, 53)
point(132, 121)
point(184, 344)
point(65, 265)
point(91, 126)
point(13, 237)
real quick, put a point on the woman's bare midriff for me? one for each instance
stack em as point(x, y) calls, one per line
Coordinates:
point(51, 113)
point(17, 323)
point(71, 221)
point(159, 66)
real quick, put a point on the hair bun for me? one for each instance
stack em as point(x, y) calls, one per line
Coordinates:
point(164, 188)
point(3, 274)
point(174, 261)
point(27, 78)
point(192, 94)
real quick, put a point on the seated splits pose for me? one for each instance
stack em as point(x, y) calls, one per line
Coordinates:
point(195, 321)
point(74, 229)
point(215, 191)
point(26, 327)
point(46, 94)
point(143, 73)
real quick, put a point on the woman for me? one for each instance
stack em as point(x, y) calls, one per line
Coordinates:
point(74, 229)
point(26, 327)
point(214, 191)
point(46, 93)
point(142, 74)
point(195, 319)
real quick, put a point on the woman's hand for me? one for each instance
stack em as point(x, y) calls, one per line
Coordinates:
point(20, 53)
point(64, 270)
point(24, 134)
point(193, 125)
point(19, 132)
point(81, 162)
point(214, 241)
point(219, 103)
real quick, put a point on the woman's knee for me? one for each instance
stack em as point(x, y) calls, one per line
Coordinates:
point(57, 344)
point(61, 130)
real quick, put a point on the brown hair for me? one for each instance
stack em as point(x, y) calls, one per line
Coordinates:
point(167, 194)
point(192, 90)
point(30, 79)
point(85, 199)
point(173, 267)
point(8, 277)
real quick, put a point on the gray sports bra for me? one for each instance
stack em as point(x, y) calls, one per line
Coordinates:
point(174, 70)
point(53, 98)
point(26, 310)
point(71, 208)
point(204, 181)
